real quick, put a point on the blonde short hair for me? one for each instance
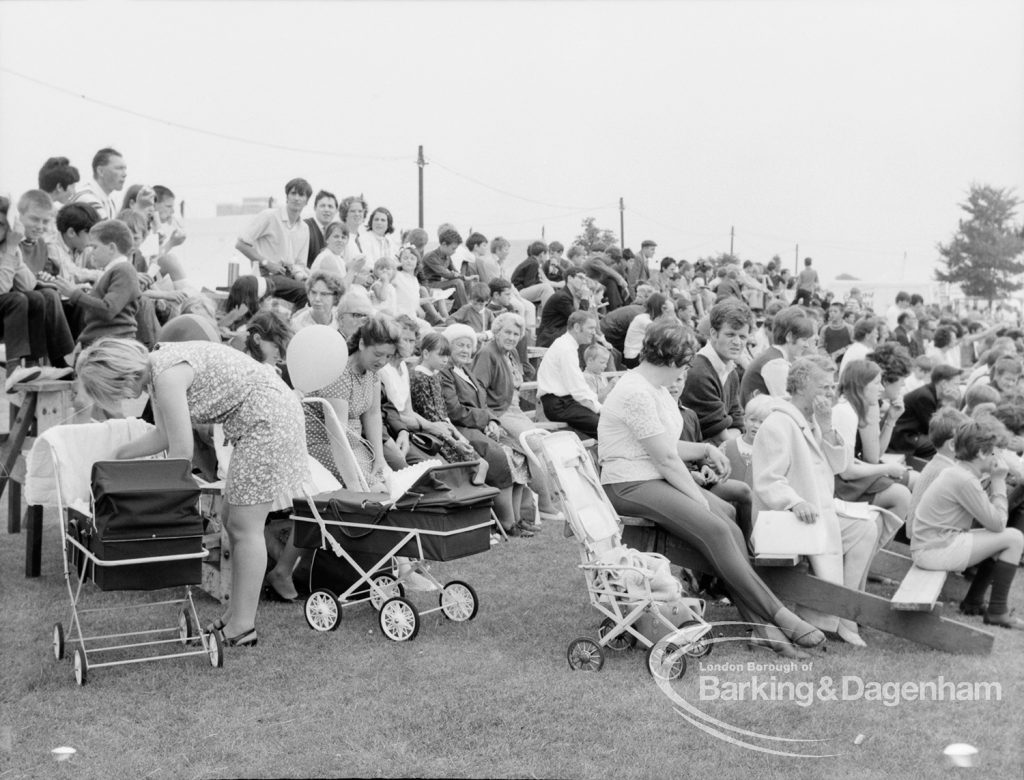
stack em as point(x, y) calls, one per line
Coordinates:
point(110, 369)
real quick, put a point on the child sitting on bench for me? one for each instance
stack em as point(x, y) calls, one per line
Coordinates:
point(942, 538)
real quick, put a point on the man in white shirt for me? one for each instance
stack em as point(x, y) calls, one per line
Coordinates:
point(109, 172)
point(892, 314)
point(865, 339)
point(561, 387)
point(277, 241)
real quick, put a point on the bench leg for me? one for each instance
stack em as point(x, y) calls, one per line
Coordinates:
point(19, 431)
point(14, 508)
point(33, 540)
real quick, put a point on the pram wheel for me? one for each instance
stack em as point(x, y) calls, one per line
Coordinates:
point(584, 654)
point(323, 612)
point(623, 641)
point(391, 587)
point(215, 649)
point(458, 601)
point(703, 646)
point(399, 620)
point(81, 667)
point(58, 641)
point(186, 627)
point(659, 665)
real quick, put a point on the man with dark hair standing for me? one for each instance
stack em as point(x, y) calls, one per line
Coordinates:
point(109, 172)
point(325, 211)
point(436, 268)
point(806, 284)
point(277, 242)
point(639, 269)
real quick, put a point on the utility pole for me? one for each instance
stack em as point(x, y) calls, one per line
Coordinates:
point(421, 163)
point(622, 224)
point(732, 235)
point(796, 259)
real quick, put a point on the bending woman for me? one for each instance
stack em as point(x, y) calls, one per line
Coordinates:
point(200, 383)
point(644, 474)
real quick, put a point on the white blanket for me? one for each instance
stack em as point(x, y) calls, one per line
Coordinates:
point(74, 448)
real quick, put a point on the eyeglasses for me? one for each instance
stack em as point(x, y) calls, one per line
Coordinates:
point(356, 314)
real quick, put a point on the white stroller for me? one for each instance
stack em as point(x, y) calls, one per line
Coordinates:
point(631, 589)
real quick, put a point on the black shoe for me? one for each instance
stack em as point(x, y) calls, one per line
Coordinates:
point(973, 608)
point(518, 530)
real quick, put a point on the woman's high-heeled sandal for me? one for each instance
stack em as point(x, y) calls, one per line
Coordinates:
point(798, 631)
point(216, 627)
point(245, 639)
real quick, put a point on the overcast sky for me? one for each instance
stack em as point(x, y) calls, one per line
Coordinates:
point(850, 128)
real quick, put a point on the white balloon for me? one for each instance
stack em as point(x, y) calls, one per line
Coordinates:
point(317, 355)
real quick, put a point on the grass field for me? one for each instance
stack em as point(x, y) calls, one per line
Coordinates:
point(493, 697)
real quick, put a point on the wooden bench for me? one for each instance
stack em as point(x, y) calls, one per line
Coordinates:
point(798, 585)
point(919, 590)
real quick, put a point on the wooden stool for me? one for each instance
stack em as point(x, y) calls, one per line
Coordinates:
point(47, 403)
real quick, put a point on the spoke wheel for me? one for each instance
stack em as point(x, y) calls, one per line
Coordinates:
point(323, 612)
point(215, 649)
point(585, 655)
point(81, 667)
point(703, 646)
point(458, 601)
point(623, 641)
point(391, 587)
point(399, 620)
point(58, 641)
point(665, 661)
point(186, 626)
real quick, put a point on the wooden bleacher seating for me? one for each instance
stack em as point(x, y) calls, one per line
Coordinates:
point(919, 591)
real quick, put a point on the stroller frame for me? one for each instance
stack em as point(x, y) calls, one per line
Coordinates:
point(593, 521)
point(398, 617)
point(186, 632)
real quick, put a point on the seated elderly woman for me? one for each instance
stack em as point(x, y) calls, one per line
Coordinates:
point(943, 538)
point(796, 455)
point(644, 473)
point(466, 402)
point(323, 291)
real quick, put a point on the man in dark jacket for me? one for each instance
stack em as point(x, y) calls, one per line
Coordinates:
point(910, 436)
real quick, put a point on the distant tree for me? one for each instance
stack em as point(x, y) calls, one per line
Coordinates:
point(593, 238)
point(987, 253)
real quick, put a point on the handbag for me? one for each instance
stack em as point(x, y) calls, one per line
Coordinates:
point(427, 442)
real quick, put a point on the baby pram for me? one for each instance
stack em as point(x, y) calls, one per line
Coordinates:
point(436, 512)
point(142, 531)
point(631, 589)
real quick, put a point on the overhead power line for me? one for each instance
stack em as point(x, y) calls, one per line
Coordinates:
point(199, 130)
point(485, 185)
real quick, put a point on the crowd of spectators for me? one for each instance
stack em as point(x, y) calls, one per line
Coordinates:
point(714, 388)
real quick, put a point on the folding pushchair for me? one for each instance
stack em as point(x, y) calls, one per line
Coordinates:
point(435, 512)
point(129, 525)
point(634, 591)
